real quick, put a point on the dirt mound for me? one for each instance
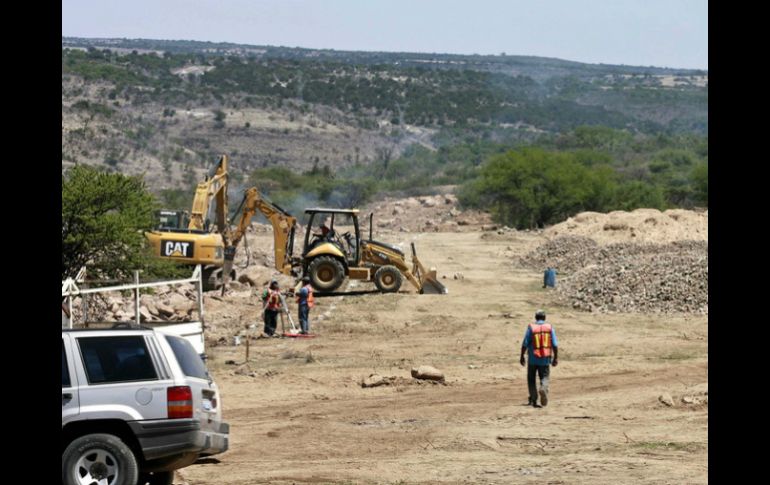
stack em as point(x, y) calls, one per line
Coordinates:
point(640, 225)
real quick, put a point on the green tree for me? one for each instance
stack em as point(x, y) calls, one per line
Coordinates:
point(103, 216)
point(532, 187)
point(635, 194)
point(700, 177)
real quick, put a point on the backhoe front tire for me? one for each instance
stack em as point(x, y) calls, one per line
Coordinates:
point(388, 279)
point(326, 273)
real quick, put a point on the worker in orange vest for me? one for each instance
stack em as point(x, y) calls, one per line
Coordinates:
point(305, 302)
point(271, 302)
point(541, 345)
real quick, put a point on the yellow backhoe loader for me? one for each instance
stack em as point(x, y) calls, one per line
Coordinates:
point(327, 258)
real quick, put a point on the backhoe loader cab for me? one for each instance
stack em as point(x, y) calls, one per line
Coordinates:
point(341, 240)
point(331, 254)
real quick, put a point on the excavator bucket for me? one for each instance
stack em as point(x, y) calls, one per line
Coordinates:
point(429, 283)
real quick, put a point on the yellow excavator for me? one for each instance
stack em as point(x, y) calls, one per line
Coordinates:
point(187, 238)
point(328, 257)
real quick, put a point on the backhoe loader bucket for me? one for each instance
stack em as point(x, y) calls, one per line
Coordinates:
point(429, 283)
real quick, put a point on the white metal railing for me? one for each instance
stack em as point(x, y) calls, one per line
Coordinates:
point(70, 289)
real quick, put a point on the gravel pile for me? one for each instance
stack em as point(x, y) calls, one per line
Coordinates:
point(565, 253)
point(672, 280)
point(626, 277)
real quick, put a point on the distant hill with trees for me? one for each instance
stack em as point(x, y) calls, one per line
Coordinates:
point(345, 126)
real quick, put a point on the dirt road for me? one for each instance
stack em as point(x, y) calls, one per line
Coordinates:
point(304, 418)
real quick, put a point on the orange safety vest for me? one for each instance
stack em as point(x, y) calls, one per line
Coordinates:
point(273, 300)
point(310, 299)
point(541, 339)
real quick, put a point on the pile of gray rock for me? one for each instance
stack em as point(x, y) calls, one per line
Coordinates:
point(627, 277)
point(565, 253)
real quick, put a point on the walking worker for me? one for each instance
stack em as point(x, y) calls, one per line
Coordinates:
point(541, 344)
point(271, 302)
point(305, 302)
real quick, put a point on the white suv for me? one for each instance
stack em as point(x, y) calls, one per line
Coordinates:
point(136, 405)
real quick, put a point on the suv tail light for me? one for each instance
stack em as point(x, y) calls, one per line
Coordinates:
point(180, 403)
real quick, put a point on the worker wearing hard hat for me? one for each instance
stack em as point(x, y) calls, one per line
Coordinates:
point(541, 345)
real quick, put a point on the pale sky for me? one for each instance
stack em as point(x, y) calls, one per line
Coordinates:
point(661, 33)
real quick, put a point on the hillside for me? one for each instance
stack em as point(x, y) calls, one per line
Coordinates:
point(168, 107)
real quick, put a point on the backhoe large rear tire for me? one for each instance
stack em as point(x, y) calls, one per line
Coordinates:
point(326, 273)
point(388, 279)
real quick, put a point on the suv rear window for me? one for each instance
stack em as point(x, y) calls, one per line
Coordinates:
point(116, 359)
point(189, 360)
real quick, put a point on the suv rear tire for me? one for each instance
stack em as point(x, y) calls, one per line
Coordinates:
point(94, 457)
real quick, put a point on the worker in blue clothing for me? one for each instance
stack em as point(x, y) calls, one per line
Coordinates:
point(540, 343)
point(305, 302)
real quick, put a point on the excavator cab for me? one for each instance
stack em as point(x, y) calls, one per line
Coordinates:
point(169, 220)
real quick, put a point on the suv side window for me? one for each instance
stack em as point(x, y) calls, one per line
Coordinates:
point(116, 359)
point(65, 373)
point(188, 359)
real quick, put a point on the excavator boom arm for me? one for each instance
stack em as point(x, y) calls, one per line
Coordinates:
point(283, 227)
point(215, 186)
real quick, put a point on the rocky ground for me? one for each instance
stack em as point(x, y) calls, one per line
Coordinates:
point(432, 213)
point(408, 388)
point(629, 400)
